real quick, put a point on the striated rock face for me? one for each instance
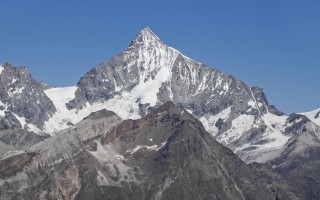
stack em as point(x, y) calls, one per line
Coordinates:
point(23, 103)
point(165, 155)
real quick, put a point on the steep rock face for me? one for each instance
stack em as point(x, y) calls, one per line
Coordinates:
point(150, 73)
point(165, 155)
point(23, 103)
point(9, 121)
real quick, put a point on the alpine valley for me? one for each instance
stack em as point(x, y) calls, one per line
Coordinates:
point(151, 123)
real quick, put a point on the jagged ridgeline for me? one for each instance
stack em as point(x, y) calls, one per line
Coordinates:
point(93, 152)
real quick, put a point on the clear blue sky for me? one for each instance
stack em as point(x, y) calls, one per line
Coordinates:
point(272, 44)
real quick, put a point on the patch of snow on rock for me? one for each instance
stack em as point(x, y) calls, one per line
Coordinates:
point(210, 121)
point(150, 148)
point(240, 125)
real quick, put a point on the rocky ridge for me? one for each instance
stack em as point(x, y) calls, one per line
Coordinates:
point(157, 157)
point(23, 103)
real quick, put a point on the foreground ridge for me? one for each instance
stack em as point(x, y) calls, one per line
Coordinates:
point(156, 157)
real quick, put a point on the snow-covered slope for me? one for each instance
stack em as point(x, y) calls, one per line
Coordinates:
point(314, 116)
point(65, 117)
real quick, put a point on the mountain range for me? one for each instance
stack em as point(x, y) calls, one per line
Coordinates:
point(151, 123)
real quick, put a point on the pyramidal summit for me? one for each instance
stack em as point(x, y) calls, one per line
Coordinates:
point(152, 123)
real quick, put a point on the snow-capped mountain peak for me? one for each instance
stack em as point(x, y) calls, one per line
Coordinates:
point(149, 73)
point(133, 85)
point(146, 35)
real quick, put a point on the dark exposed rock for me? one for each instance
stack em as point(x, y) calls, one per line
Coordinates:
point(260, 97)
point(11, 166)
point(22, 139)
point(219, 123)
point(9, 122)
point(317, 115)
point(274, 110)
point(100, 114)
point(298, 122)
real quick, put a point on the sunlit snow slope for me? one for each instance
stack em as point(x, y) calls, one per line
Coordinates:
point(313, 116)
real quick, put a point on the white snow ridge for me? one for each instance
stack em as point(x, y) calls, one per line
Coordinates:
point(314, 116)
